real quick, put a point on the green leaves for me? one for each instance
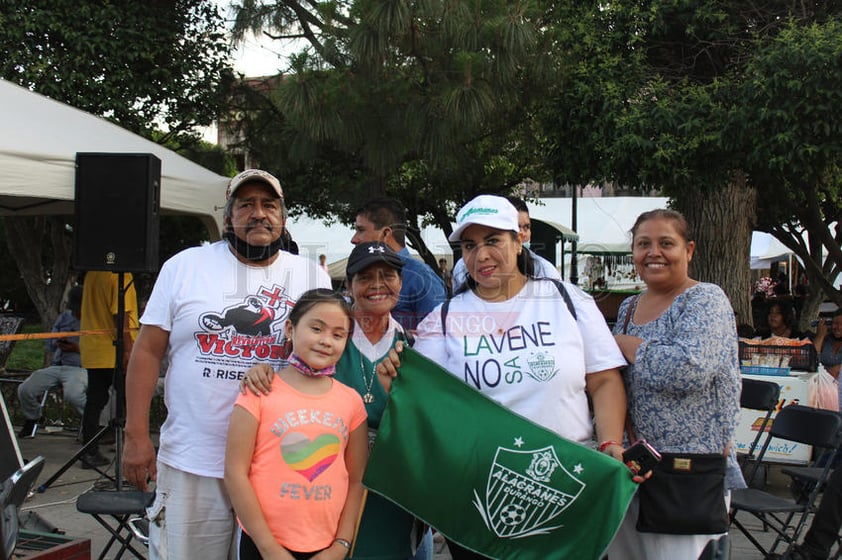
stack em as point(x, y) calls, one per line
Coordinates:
point(141, 64)
point(444, 89)
point(793, 93)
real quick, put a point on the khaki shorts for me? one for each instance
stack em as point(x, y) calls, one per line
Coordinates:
point(191, 517)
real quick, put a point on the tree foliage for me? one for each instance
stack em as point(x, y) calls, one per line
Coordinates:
point(683, 96)
point(429, 102)
point(793, 92)
point(158, 68)
point(433, 102)
point(146, 66)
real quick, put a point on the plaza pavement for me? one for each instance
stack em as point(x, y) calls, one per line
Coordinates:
point(57, 504)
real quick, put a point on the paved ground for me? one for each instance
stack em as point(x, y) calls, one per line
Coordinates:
point(57, 504)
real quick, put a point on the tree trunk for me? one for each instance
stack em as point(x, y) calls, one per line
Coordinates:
point(820, 252)
point(721, 222)
point(41, 248)
point(810, 310)
point(414, 240)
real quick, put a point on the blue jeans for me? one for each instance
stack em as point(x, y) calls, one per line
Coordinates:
point(425, 548)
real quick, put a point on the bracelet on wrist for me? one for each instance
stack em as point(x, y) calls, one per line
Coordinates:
point(343, 542)
point(606, 444)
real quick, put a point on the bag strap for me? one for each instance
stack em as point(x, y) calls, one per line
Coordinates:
point(445, 306)
point(566, 296)
point(629, 313)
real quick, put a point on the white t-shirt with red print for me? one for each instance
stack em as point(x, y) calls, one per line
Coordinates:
point(223, 317)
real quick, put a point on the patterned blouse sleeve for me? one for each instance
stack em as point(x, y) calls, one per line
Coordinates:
point(698, 342)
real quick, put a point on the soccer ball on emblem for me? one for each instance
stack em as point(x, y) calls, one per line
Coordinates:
point(512, 514)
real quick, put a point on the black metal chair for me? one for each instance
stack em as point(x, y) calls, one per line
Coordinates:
point(801, 424)
point(762, 396)
point(52, 394)
point(124, 508)
point(805, 478)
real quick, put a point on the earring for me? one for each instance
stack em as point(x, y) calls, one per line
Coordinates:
point(286, 347)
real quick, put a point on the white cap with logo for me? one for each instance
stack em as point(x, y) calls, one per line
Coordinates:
point(486, 210)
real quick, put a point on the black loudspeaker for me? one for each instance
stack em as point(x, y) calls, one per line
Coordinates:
point(117, 212)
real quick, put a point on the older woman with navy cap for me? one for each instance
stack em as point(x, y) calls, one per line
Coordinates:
point(537, 346)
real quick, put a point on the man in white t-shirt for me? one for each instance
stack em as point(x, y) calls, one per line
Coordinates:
point(214, 312)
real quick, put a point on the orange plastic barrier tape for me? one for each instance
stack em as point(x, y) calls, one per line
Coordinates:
point(46, 335)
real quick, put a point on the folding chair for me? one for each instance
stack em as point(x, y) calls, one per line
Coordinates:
point(810, 426)
point(763, 396)
point(124, 507)
point(805, 478)
point(13, 492)
point(54, 393)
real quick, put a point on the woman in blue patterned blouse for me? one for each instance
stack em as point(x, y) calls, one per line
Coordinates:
point(683, 380)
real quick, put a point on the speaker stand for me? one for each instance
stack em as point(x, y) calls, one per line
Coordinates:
point(118, 423)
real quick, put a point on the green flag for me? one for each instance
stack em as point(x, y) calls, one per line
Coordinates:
point(489, 479)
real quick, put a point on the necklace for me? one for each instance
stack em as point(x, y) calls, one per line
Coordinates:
point(368, 382)
point(368, 397)
point(298, 364)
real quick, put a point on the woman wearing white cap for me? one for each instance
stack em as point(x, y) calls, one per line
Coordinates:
point(515, 337)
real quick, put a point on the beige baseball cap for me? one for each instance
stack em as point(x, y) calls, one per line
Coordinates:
point(250, 176)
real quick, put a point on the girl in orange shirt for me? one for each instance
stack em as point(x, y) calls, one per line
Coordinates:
point(295, 457)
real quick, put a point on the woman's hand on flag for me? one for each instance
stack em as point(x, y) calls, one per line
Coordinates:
point(387, 369)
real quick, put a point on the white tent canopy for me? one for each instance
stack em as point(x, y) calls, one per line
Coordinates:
point(602, 223)
point(766, 249)
point(314, 238)
point(38, 145)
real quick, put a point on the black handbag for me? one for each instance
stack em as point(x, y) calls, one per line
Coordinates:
point(685, 495)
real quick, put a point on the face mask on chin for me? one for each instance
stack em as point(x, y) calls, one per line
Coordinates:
point(253, 253)
point(526, 244)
